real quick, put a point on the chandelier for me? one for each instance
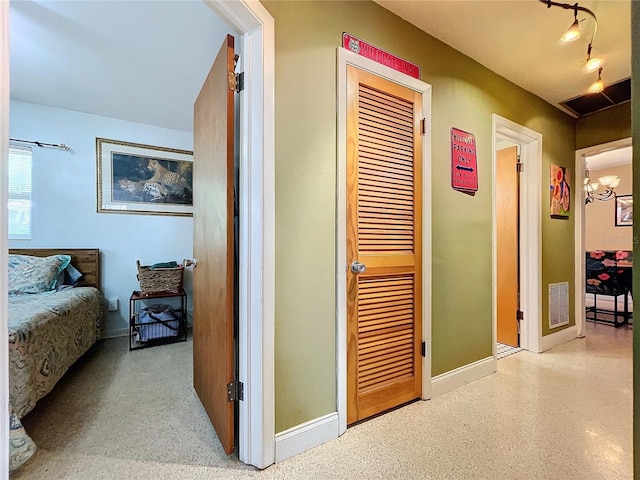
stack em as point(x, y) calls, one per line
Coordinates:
point(609, 182)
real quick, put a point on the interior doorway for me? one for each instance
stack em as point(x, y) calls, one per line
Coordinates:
point(525, 146)
point(347, 59)
point(597, 227)
point(384, 244)
point(508, 244)
point(255, 28)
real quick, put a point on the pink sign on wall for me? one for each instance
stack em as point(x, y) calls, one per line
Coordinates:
point(374, 53)
point(464, 162)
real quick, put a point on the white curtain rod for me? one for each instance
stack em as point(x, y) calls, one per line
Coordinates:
point(61, 146)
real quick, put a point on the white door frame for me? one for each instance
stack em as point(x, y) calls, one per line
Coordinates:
point(4, 155)
point(580, 267)
point(530, 145)
point(345, 57)
point(257, 228)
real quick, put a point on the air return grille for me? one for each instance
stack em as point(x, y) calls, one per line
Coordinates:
point(558, 304)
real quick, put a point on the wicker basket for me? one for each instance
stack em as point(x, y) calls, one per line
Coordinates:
point(154, 280)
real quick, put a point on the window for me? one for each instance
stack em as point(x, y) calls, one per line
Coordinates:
point(19, 192)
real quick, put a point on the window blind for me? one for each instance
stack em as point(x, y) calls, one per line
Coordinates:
point(19, 205)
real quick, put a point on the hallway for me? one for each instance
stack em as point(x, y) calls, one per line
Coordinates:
point(563, 414)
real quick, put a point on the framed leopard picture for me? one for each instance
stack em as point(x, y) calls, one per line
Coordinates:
point(143, 179)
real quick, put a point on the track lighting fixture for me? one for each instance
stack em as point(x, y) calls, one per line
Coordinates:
point(574, 30)
point(598, 85)
point(592, 64)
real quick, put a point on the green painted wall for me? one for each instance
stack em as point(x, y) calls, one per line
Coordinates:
point(635, 123)
point(465, 95)
point(605, 126)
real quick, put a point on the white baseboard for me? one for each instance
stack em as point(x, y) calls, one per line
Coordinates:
point(459, 377)
point(307, 435)
point(558, 338)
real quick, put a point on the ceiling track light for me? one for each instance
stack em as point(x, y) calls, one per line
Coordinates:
point(598, 85)
point(592, 63)
point(574, 30)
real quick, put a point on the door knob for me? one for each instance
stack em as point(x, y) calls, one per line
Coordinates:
point(190, 262)
point(357, 267)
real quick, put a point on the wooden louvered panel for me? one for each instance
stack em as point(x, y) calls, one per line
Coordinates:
point(385, 182)
point(389, 149)
point(385, 194)
point(396, 139)
point(380, 297)
point(391, 184)
point(378, 128)
point(400, 320)
point(373, 97)
point(381, 328)
point(384, 188)
point(388, 207)
point(392, 187)
point(397, 307)
point(386, 143)
point(373, 211)
point(392, 350)
point(393, 161)
point(385, 114)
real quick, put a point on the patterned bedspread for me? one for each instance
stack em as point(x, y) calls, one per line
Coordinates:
point(48, 332)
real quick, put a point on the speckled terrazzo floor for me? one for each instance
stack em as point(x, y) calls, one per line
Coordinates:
point(564, 414)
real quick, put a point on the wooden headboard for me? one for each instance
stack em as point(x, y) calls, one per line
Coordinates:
point(87, 260)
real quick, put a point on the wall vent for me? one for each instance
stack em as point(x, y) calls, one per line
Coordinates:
point(558, 304)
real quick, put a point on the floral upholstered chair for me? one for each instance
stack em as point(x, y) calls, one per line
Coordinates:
point(608, 272)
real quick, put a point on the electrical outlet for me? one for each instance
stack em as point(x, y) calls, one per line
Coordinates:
point(113, 304)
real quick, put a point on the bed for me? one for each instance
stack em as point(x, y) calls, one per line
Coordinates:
point(51, 325)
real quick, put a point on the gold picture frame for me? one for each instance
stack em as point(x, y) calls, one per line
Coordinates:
point(143, 179)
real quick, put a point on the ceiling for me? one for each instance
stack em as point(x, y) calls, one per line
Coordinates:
point(145, 61)
point(610, 158)
point(142, 61)
point(520, 40)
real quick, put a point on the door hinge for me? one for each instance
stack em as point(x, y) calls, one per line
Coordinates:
point(236, 81)
point(423, 126)
point(424, 349)
point(519, 318)
point(520, 167)
point(239, 82)
point(235, 391)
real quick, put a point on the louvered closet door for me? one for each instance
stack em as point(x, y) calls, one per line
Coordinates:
point(384, 194)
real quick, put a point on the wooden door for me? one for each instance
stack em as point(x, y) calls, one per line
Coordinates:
point(213, 347)
point(384, 232)
point(507, 206)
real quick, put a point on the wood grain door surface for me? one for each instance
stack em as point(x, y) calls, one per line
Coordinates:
point(507, 206)
point(213, 343)
point(384, 232)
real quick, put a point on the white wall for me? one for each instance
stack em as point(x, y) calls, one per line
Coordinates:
point(65, 202)
point(601, 232)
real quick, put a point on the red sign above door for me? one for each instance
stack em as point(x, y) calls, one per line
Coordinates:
point(464, 162)
point(374, 53)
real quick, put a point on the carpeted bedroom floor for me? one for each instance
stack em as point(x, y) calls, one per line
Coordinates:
point(564, 414)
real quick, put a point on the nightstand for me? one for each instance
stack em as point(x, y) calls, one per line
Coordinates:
point(159, 329)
